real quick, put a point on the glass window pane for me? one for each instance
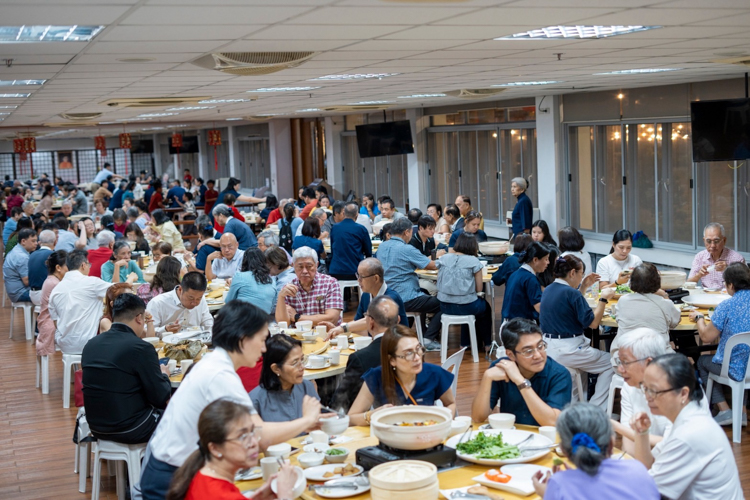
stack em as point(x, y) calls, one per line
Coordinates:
point(743, 208)
point(6, 165)
point(449, 180)
point(528, 143)
point(469, 178)
point(489, 184)
point(642, 141)
point(583, 177)
point(609, 178)
point(88, 164)
point(524, 114)
point(675, 194)
point(715, 183)
point(510, 151)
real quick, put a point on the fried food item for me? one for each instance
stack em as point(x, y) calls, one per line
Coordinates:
point(349, 470)
point(330, 474)
point(481, 490)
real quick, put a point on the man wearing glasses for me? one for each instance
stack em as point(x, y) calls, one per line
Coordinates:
point(709, 264)
point(527, 383)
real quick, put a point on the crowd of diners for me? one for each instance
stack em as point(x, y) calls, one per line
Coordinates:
point(249, 391)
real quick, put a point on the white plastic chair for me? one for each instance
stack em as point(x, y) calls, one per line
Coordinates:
point(82, 457)
point(449, 319)
point(417, 324)
point(344, 284)
point(27, 307)
point(578, 384)
point(453, 364)
point(738, 387)
point(131, 454)
point(617, 383)
point(69, 362)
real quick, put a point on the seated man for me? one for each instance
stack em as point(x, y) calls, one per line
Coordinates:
point(350, 244)
point(106, 241)
point(38, 264)
point(527, 383)
point(76, 303)
point(388, 211)
point(224, 216)
point(336, 216)
point(709, 264)
point(66, 238)
point(370, 277)
point(225, 263)
point(400, 260)
point(267, 239)
point(183, 307)
point(12, 223)
point(78, 198)
point(125, 387)
point(322, 217)
point(16, 267)
point(382, 314)
point(311, 202)
point(311, 296)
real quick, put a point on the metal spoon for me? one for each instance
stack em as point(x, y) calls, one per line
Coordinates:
point(338, 412)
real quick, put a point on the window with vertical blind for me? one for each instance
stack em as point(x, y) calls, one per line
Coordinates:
point(255, 162)
point(640, 176)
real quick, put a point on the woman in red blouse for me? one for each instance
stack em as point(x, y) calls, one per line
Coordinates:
point(156, 198)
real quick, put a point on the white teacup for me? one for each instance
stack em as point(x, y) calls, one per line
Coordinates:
point(335, 356)
point(316, 361)
point(185, 364)
point(319, 437)
point(304, 326)
point(268, 467)
point(362, 342)
point(172, 365)
point(321, 331)
point(549, 432)
point(282, 325)
point(342, 341)
point(502, 420)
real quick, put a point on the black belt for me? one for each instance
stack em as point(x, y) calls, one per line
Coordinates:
point(561, 336)
point(36, 289)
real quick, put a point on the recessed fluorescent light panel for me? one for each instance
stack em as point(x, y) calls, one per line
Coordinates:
point(8, 107)
point(223, 101)
point(156, 115)
point(639, 71)
point(526, 84)
point(46, 33)
point(190, 108)
point(233, 119)
point(270, 114)
point(357, 76)
point(8, 83)
point(284, 89)
point(366, 103)
point(308, 110)
point(420, 96)
point(557, 32)
point(2, 96)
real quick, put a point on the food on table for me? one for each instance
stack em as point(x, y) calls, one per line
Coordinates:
point(335, 451)
point(489, 446)
point(497, 476)
point(557, 461)
point(421, 423)
point(621, 289)
point(481, 490)
point(347, 470)
point(329, 474)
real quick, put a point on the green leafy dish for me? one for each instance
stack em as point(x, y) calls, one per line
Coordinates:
point(621, 289)
point(489, 446)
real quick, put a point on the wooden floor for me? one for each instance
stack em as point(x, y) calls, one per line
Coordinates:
point(36, 451)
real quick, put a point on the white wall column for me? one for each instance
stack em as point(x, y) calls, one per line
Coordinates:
point(234, 154)
point(202, 151)
point(417, 161)
point(280, 144)
point(550, 167)
point(334, 125)
point(157, 156)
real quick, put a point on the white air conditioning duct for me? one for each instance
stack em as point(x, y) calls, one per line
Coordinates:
point(474, 93)
point(253, 63)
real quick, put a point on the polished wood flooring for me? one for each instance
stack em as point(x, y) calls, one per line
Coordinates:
point(36, 450)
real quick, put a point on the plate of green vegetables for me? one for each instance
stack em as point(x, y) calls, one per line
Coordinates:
point(498, 447)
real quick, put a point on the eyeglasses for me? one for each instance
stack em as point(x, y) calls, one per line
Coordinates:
point(529, 351)
point(246, 439)
point(712, 242)
point(651, 394)
point(362, 278)
point(619, 362)
point(412, 355)
point(296, 362)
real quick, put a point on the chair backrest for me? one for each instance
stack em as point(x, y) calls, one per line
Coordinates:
point(453, 364)
point(735, 340)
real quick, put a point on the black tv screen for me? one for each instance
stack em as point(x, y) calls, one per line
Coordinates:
point(189, 145)
point(385, 139)
point(142, 146)
point(720, 130)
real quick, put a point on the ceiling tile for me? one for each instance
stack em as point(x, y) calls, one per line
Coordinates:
point(321, 32)
point(657, 16)
point(61, 15)
point(211, 14)
point(172, 33)
point(391, 14)
point(138, 49)
point(286, 45)
point(513, 16)
point(447, 33)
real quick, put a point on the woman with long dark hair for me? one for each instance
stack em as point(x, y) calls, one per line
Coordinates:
point(166, 231)
point(572, 243)
point(540, 233)
point(523, 293)
point(310, 237)
point(615, 268)
point(133, 233)
point(253, 283)
point(157, 197)
point(272, 203)
point(48, 199)
point(291, 217)
point(229, 441)
point(402, 379)
point(282, 387)
point(167, 277)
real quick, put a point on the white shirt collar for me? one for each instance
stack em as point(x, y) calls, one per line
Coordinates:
point(382, 290)
point(562, 282)
point(378, 336)
point(528, 268)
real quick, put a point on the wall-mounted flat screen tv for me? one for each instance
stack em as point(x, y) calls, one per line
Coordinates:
point(720, 130)
point(189, 145)
point(385, 139)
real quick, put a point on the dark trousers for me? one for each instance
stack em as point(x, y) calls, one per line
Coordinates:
point(427, 304)
point(155, 479)
point(481, 311)
point(140, 434)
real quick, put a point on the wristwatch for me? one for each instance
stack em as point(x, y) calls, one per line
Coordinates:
point(345, 327)
point(699, 316)
point(297, 317)
point(602, 299)
point(523, 385)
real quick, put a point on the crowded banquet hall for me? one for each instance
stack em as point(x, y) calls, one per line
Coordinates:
point(375, 249)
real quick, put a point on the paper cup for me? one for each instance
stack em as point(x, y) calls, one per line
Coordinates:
point(321, 331)
point(549, 432)
point(319, 437)
point(268, 467)
point(185, 364)
point(342, 341)
point(282, 325)
point(335, 356)
point(172, 365)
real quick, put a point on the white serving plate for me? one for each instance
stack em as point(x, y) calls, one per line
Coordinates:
point(316, 473)
point(510, 436)
point(705, 300)
point(184, 335)
point(327, 365)
point(520, 478)
point(341, 492)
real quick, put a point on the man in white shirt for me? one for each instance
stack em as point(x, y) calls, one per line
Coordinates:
point(183, 307)
point(224, 263)
point(388, 211)
point(76, 306)
point(319, 214)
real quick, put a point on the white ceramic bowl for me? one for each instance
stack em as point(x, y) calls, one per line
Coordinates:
point(299, 485)
point(152, 340)
point(671, 280)
point(310, 336)
point(311, 459)
point(459, 425)
point(362, 342)
point(494, 247)
point(279, 450)
point(315, 448)
point(383, 426)
point(304, 326)
point(334, 425)
point(337, 459)
point(705, 300)
point(502, 420)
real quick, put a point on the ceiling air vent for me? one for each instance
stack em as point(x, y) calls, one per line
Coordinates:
point(151, 102)
point(253, 63)
point(473, 93)
point(742, 61)
point(68, 124)
point(80, 116)
point(364, 107)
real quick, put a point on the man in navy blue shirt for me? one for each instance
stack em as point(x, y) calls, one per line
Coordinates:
point(38, 266)
point(116, 200)
point(201, 192)
point(175, 193)
point(350, 243)
point(223, 215)
point(526, 382)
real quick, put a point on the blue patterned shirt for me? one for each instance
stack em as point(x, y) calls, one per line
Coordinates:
point(399, 263)
point(730, 318)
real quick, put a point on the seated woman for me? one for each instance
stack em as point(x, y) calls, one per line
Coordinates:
point(109, 299)
point(164, 229)
point(473, 221)
point(435, 211)
point(403, 378)
point(121, 220)
point(196, 260)
point(324, 202)
point(279, 267)
point(309, 238)
point(57, 267)
point(695, 460)
point(133, 233)
point(169, 272)
point(291, 217)
point(229, 441)
point(586, 440)
point(540, 233)
point(511, 264)
point(271, 204)
point(459, 281)
point(615, 268)
point(120, 265)
point(160, 250)
point(572, 243)
point(282, 389)
point(523, 293)
point(547, 277)
point(253, 283)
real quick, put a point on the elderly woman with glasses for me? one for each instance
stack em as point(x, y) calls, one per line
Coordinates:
point(402, 379)
point(282, 389)
point(695, 460)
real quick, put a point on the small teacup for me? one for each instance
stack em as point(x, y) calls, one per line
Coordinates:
point(362, 342)
point(335, 356)
point(316, 361)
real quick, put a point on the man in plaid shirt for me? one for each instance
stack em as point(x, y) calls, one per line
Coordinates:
point(709, 265)
point(311, 296)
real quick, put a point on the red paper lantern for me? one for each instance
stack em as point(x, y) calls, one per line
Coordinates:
point(125, 142)
point(214, 137)
point(176, 140)
point(29, 145)
point(100, 143)
point(18, 146)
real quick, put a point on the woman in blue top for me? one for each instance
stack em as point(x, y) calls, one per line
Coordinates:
point(472, 222)
point(233, 187)
point(369, 208)
point(402, 379)
point(524, 210)
point(253, 283)
point(119, 267)
point(511, 264)
point(523, 293)
point(309, 238)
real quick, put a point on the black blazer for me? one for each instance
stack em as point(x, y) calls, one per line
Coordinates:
point(358, 364)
